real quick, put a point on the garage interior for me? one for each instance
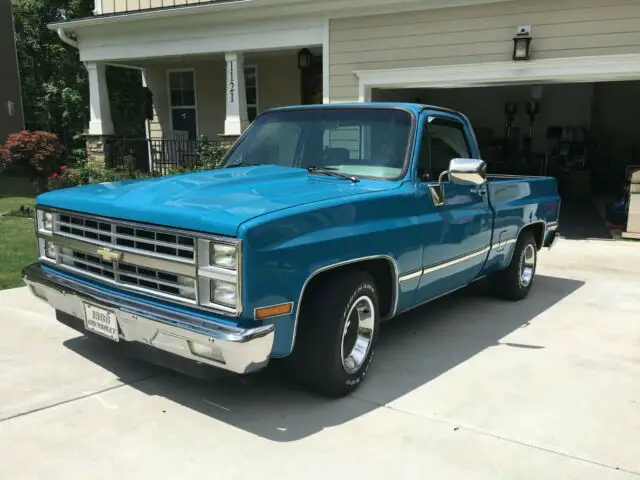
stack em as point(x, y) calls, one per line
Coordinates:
point(586, 135)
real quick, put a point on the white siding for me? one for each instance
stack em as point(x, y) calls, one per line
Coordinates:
point(116, 6)
point(464, 35)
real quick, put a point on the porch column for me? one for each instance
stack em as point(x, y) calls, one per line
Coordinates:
point(100, 111)
point(236, 119)
point(100, 124)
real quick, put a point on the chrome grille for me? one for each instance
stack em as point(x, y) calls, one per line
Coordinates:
point(131, 237)
point(147, 279)
point(88, 263)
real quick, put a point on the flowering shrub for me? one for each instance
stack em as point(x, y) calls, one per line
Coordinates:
point(33, 154)
point(66, 177)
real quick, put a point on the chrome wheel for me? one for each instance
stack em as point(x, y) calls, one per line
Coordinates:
point(357, 335)
point(527, 265)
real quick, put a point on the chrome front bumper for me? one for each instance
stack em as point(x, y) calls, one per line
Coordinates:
point(231, 348)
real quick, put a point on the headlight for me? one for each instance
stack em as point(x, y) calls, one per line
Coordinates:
point(47, 249)
point(45, 221)
point(219, 276)
point(224, 293)
point(50, 250)
point(225, 256)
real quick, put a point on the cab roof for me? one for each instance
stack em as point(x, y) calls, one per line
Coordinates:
point(414, 108)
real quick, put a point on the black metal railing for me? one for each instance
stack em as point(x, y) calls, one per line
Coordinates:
point(127, 153)
point(162, 156)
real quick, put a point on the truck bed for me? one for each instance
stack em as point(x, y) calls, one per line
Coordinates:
point(521, 200)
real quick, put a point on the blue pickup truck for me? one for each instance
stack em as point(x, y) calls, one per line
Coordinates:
point(321, 222)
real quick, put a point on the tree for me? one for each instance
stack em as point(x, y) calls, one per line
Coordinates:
point(54, 81)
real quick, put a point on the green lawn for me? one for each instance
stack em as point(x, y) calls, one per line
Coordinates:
point(17, 239)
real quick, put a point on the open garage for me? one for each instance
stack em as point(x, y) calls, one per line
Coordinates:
point(584, 134)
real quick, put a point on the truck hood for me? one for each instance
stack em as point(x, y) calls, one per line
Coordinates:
point(216, 201)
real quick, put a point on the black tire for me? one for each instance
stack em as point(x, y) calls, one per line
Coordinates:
point(512, 283)
point(317, 360)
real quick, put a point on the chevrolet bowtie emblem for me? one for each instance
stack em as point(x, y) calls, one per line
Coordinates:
point(108, 255)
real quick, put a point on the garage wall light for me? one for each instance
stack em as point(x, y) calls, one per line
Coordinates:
point(522, 43)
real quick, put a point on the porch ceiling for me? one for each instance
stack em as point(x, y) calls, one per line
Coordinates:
point(185, 37)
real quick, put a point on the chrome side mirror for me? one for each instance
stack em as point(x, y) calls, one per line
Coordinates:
point(467, 171)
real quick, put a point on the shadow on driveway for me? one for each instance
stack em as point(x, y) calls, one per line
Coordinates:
point(413, 349)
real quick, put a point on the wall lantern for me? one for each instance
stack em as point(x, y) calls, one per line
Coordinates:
point(304, 58)
point(522, 43)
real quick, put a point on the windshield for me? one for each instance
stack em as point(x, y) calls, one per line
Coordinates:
point(361, 142)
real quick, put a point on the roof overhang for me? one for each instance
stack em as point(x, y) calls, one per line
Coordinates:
point(230, 10)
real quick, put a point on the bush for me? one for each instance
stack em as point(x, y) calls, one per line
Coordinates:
point(31, 154)
point(84, 174)
point(211, 154)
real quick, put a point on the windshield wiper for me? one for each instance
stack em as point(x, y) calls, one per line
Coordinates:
point(329, 171)
point(244, 164)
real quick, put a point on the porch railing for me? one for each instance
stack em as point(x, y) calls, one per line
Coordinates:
point(162, 156)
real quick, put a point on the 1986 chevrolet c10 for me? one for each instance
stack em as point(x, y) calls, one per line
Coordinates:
point(322, 222)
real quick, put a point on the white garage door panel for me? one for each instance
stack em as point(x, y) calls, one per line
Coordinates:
point(565, 70)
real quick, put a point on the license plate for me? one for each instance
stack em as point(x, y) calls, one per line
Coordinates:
point(101, 321)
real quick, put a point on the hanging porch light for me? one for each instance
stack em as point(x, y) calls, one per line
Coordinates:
point(304, 58)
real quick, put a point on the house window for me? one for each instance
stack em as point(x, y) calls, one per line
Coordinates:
point(251, 87)
point(182, 100)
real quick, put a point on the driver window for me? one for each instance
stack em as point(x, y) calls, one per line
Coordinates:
point(446, 141)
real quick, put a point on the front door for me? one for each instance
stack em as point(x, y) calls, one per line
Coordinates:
point(456, 233)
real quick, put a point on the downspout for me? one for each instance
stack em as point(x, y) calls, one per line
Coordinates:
point(68, 40)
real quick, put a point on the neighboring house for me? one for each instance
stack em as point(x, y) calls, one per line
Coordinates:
point(213, 66)
point(11, 117)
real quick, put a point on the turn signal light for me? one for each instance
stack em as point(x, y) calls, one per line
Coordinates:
point(273, 311)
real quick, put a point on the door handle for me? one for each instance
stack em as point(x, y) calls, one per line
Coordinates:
point(479, 190)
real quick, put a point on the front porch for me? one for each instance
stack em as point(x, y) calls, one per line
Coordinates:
point(200, 103)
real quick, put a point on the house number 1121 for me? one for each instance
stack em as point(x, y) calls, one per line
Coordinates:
point(232, 83)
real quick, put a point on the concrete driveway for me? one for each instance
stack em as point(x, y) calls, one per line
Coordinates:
point(468, 387)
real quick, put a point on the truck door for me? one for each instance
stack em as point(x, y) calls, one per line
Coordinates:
point(456, 233)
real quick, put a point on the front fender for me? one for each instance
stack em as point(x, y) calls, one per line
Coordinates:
point(284, 251)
